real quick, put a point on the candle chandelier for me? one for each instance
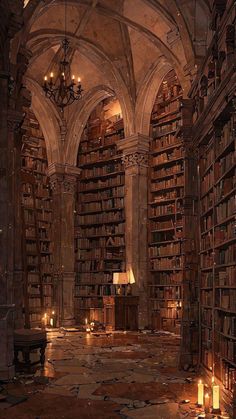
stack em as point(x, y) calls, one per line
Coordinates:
point(62, 89)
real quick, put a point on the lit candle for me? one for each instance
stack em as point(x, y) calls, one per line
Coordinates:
point(45, 320)
point(79, 80)
point(215, 396)
point(200, 393)
point(51, 75)
point(51, 322)
point(207, 403)
point(73, 78)
point(88, 329)
point(45, 78)
point(86, 321)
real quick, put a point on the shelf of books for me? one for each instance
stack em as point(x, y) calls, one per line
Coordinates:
point(100, 213)
point(166, 191)
point(37, 219)
point(217, 163)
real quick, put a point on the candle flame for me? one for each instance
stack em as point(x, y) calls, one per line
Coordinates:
point(79, 79)
point(45, 78)
point(53, 312)
point(51, 75)
point(73, 77)
point(207, 396)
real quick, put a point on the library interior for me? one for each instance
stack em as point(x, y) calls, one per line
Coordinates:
point(117, 209)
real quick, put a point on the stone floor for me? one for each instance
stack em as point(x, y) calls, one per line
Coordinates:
point(104, 376)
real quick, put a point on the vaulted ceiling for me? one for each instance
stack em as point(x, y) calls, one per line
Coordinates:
point(120, 46)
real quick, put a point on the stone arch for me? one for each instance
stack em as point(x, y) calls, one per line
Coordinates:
point(147, 94)
point(48, 120)
point(78, 121)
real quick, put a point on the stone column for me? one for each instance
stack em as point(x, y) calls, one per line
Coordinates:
point(135, 158)
point(63, 181)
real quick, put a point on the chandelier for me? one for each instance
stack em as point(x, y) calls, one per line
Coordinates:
point(62, 89)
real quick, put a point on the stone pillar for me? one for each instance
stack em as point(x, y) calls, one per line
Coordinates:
point(135, 158)
point(63, 181)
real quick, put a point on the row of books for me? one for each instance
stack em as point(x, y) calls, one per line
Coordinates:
point(101, 218)
point(160, 107)
point(162, 236)
point(98, 265)
point(100, 252)
point(102, 205)
point(166, 171)
point(168, 183)
point(207, 241)
point(166, 293)
point(176, 224)
point(224, 187)
point(225, 209)
point(226, 347)
point(225, 232)
point(170, 90)
point(104, 230)
point(166, 312)
point(170, 249)
point(224, 256)
point(158, 130)
point(206, 316)
point(226, 276)
point(167, 278)
point(108, 168)
point(224, 164)
point(226, 298)
point(207, 159)
point(165, 141)
point(167, 156)
point(99, 184)
point(206, 297)
point(88, 145)
point(97, 156)
point(227, 134)
point(207, 202)
point(167, 263)
point(165, 209)
point(226, 324)
point(167, 195)
point(206, 223)
point(94, 278)
point(207, 182)
point(97, 291)
point(102, 242)
point(112, 192)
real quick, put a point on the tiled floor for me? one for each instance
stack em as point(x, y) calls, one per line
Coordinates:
point(120, 375)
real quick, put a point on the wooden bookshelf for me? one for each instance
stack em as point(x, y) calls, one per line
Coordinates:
point(100, 215)
point(217, 176)
point(166, 192)
point(37, 219)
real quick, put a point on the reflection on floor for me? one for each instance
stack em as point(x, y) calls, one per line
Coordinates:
point(106, 376)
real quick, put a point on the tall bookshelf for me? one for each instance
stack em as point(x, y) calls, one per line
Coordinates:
point(166, 192)
point(217, 164)
point(100, 214)
point(37, 219)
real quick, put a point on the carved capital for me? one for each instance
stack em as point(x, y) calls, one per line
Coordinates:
point(135, 159)
point(63, 178)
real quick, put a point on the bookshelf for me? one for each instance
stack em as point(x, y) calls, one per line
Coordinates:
point(166, 192)
point(217, 178)
point(100, 213)
point(37, 219)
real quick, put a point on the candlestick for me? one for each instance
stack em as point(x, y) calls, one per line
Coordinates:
point(207, 403)
point(200, 393)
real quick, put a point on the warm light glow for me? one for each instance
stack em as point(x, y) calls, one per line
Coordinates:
point(51, 322)
point(86, 321)
point(45, 315)
point(51, 75)
point(63, 74)
point(73, 77)
point(87, 329)
point(200, 397)
point(79, 79)
point(213, 379)
point(53, 312)
point(45, 78)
